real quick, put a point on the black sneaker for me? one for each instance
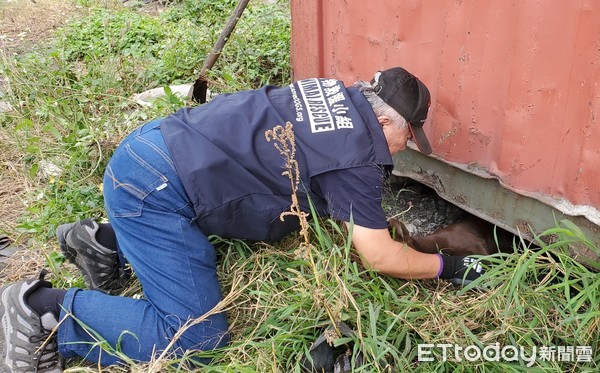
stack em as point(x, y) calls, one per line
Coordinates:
point(98, 264)
point(29, 343)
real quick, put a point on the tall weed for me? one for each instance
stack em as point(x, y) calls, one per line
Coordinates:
point(72, 101)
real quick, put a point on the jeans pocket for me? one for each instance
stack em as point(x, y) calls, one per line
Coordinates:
point(128, 180)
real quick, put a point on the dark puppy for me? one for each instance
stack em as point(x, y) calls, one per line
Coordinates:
point(467, 237)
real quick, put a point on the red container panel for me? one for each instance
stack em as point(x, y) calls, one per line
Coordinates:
point(514, 84)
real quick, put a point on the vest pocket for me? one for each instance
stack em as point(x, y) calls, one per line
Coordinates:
point(253, 217)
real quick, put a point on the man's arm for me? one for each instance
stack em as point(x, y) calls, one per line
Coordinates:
point(380, 252)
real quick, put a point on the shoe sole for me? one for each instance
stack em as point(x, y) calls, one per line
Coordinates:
point(5, 336)
point(61, 235)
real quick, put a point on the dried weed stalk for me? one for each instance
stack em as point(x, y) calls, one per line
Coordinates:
point(285, 143)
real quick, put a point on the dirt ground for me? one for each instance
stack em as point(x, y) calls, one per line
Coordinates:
point(24, 26)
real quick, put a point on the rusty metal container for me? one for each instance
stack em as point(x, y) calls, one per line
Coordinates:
point(515, 91)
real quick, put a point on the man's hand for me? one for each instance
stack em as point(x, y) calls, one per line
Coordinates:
point(461, 270)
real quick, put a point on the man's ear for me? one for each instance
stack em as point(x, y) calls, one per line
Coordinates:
point(384, 120)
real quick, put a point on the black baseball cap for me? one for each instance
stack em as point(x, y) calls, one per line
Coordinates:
point(406, 94)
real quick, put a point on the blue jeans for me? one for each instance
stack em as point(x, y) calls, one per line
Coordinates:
point(175, 263)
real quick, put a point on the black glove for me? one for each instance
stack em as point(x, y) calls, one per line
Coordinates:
point(460, 270)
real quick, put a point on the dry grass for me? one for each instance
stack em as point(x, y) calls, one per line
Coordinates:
point(15, 188)
point(25, 24)
point(14, 185)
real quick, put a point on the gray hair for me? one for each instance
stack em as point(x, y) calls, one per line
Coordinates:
point(379, 106)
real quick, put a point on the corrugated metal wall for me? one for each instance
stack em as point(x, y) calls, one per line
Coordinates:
point(514, 84)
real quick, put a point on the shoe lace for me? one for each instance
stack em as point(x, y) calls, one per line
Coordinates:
point(47, 353)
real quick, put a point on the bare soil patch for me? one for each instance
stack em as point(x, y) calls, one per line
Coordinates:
point(27, 24)
point(24, 26)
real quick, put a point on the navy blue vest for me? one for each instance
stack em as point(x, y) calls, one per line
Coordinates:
point(232, 174)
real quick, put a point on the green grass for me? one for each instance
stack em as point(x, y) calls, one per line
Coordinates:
point(531, 299)
point(72, 100)
point(72, 108)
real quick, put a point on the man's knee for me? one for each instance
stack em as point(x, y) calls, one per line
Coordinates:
point(206, 335)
